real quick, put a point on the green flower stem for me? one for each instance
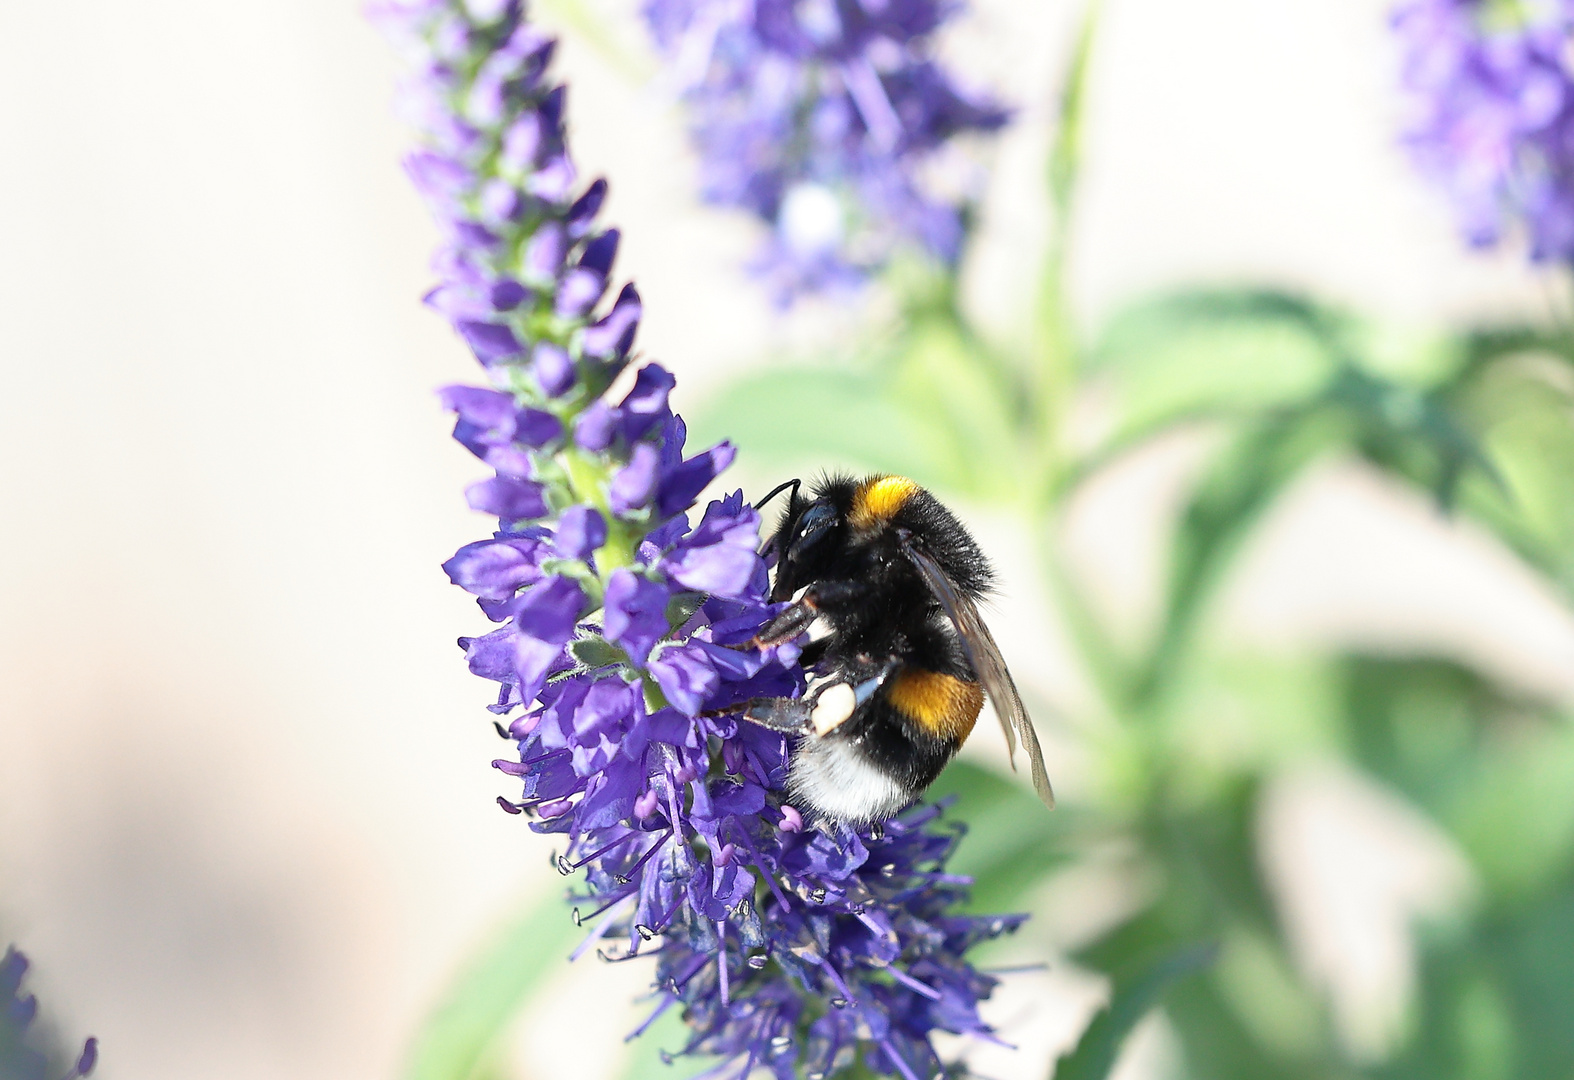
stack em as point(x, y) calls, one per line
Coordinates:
point(1057, 350)
point(587, 478)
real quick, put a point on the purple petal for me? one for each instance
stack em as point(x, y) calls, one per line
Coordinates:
point(596, 426)
point(490, 342)
point(501, 203)
point(88, 1058)
point(491, 656)
point(551, 609)
point(586, 207)
point(543, 259)
point(507, 497)
point(600, 253)
point(488, 409)
point(495, 569)
point(604, 710)
point(646, 404)
point(536, 428)
point(520, 143)
point(578, 293)
point(685, 676)
point(580, 531)
point(436, 177)
point(679, 487)
point(719, 557)
point(554, 180)
point(610, 798)
point(508, 294)
point(635, 613)
point(614, 335)
point(635, 483)
point(553, 368)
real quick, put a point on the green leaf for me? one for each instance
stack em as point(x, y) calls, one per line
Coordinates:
point(1220, 352)
point(595, 651)
point(815, 416)
point(681, 608)
point(924, 405)
point(1056, 345)
point(1095, 1053)
point(1244, 481)
point(1522, 408)
point(1413, 434)
point(1495, 770)
point(1065, 155)
point(480, 1003)
point(1484, 346)
point(972, 430)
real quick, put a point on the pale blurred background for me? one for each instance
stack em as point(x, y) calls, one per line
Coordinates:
point(247, 825)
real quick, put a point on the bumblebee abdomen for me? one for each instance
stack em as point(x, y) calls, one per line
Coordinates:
point(944, 706)
point(889, 751)
point(837, 778)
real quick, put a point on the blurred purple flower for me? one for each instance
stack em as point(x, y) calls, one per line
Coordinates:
point(1490, 91)
point(819, 117)
point(624, 629)
point(18, 1059)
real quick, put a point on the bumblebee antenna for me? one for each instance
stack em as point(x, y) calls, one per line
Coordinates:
point(777, 490)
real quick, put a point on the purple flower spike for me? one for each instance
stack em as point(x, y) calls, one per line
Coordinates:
point(1490, 92)
point(821, 119)
point(621, 650)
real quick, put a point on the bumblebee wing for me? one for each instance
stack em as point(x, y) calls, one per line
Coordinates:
point(984, 655)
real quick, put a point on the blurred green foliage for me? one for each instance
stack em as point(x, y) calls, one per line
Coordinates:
point(1187, 733)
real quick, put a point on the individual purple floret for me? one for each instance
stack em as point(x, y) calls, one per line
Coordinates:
point(623, 628)
point(821, 117)
point(1490, 86)
point(18, 1059)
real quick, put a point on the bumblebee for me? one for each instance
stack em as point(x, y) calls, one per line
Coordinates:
point(885, 580)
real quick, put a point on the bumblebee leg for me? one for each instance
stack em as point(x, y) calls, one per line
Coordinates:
point(822, 710)
point(787, 715)
point(786, 626)
point(796, 619)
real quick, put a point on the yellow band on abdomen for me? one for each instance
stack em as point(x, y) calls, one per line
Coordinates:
point(943, 705)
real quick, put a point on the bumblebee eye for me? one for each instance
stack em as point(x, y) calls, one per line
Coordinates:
point(812, 527)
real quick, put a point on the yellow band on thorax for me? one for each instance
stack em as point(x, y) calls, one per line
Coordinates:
point(878, 499)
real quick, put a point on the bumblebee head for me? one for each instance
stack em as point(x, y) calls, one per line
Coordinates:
point(812, 537)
